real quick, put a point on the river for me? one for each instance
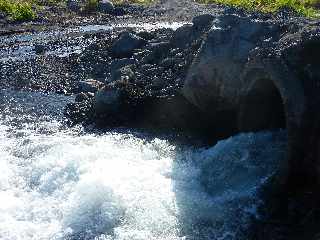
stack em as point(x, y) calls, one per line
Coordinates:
point(62, 183)
point(58, 182)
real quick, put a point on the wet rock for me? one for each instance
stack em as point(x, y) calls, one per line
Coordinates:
point(107, 100)
point(78, 112)
point(158, 82)
point(39, 48)
point(139, 55)
point(145, 67)
point(81, 97)
point(124, 74)
point(157, 51)
point(183, 36)
point(116, 64)
point(146, 35)
point(203, 21)
point(74, 5)
point(148, 58)
point(151, 70)
point(168, 63)
point(175, 51)
point(89, 85)
point(2, 17)
point(125, 45)
point(119, 11)
point(159, 47)
point(105, 6)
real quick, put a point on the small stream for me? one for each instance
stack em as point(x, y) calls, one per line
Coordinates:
point(61, 183)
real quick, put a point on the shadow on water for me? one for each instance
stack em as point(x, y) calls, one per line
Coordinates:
point(217, 190)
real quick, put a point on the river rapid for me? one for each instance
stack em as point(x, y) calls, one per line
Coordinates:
point(62, 183)
point(58, 182)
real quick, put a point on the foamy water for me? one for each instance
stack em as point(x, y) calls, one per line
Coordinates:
point(58, 183)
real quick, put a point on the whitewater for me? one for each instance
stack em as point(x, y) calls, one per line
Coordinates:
point(66, 183)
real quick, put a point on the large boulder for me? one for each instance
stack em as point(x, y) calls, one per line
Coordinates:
point(265, 74)
point(203, 21)
point(125, 45)
point(106, 100)
point(214, 82)
point(105, 6)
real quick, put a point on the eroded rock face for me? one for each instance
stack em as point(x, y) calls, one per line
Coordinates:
point(266, 75)
point(215, 82)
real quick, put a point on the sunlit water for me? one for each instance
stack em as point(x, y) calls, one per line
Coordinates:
point(60, 183)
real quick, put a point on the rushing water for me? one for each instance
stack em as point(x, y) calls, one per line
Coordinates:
point(60, 183)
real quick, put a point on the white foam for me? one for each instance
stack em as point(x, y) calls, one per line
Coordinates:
point(116, 186)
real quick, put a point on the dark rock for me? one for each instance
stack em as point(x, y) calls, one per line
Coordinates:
point(175, 51)
point(144, 91)
point(39, 49)
point(89, 85)
point(157, 51)
point(78, 112)
point(145, 35)
point(221, 61)
point(116, 64)
point(81, 97)
point(124, 74)
point(159, 48)
point(125, 45)
point(73, 5)
point(148, 58)
point(266, 75)
point(183, 36)
point(139, 55)
point(158, 82)
point(168, 63)
point(119, 11)
point(105, 6)
point(151, 70)
point(203, 21)
point(145, 67)
point(107, 100)
point(2, 16)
